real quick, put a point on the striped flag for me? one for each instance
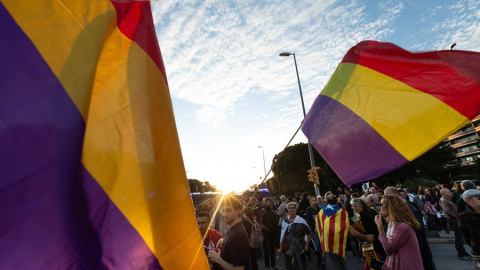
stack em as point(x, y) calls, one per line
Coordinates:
point(92, 175)
point(332, 225)
point(384, 106)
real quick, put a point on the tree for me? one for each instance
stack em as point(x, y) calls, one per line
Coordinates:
point(199, 186)
point(290, 172)
point(437, 164)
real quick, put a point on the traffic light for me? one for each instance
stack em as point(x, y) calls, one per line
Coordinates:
point(313, 175)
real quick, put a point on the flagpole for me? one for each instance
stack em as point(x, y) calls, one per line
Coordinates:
point(310, 149)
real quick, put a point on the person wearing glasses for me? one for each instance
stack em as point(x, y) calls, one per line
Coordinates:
point(292, 238)
point(469, 220)
point(399, 241)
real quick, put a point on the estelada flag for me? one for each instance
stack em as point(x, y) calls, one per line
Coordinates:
point(385, 106)
point(332, 225)
point(91, 173)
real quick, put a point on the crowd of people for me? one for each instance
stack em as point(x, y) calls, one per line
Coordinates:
point(384, 228)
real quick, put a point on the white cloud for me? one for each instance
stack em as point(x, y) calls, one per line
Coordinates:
point(219, 55)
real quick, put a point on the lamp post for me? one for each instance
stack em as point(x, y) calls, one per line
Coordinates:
point(310, 150)
point(264, 168)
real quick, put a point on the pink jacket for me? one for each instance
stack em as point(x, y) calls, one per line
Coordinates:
point(403, 245)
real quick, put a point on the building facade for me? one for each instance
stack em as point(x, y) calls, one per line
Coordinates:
point(466, 143)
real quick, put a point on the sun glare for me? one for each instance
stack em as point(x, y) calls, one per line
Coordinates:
point(228, 187)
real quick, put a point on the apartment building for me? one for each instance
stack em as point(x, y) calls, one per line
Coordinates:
point(466, 143)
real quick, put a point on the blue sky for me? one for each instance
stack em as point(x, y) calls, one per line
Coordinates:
point(231, 91)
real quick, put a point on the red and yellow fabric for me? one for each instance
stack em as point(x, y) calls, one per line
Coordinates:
point(94, 176)
point(332, 225)
point(385, 106)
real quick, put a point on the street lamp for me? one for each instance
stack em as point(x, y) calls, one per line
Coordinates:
point(310, 150)
point(264, 168)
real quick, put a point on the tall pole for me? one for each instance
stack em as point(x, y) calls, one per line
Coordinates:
point(310, 150)
point(264, 168)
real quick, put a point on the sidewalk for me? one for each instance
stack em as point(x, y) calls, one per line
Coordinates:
point(440, 237)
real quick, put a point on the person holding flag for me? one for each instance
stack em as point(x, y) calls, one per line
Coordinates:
point(333, 226)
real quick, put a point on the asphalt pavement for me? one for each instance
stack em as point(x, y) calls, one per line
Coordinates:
point(441, 244)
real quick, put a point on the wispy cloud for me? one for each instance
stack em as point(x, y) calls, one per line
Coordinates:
point(222, 57)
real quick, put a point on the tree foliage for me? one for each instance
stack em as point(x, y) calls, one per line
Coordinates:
point(437, 164)
point(290, 170)
point(199, 186)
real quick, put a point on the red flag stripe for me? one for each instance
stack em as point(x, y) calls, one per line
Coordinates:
point(135, 21)
point(436, 73)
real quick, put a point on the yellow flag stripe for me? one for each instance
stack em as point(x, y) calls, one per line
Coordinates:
point(131, 145)
point(378, 99)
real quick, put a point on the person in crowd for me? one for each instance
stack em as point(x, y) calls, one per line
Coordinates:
point(311, 213)
point(348, 194)
point(292, 239)
point(402, 193)
point(269, 222)
point(373, 201)
point(431, 209)
point(377, 188)
point(304, 204)
point(281, 214)
point(410, 196)
point(235, 250)
point(310, 216)
point(281, 207)
point(469, 221)
point(380, 194)
point(339, 191)
point(426, 252)
point(420, 201)
point(321, 201)
point(399, 241)
point(211, 237)
point(456, 192)
point(450, 210)
point(252, 226)
point(337, 249)
point(257, 206)
point(366, 225)
point(461, 203)
point(218, 222)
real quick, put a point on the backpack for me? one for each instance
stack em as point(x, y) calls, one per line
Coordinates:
point(256, 237)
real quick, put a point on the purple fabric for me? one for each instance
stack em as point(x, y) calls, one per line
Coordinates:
point(352, 148)
point(54, 215)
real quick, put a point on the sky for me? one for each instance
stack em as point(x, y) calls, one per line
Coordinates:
point(232, 93)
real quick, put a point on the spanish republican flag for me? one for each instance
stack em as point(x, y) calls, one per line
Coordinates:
point(384, 106)
point(332, 225)
point(91, 173)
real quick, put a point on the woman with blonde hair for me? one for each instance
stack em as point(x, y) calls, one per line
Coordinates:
point(399, 242)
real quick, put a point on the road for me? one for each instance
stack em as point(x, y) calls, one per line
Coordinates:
point(444, 255)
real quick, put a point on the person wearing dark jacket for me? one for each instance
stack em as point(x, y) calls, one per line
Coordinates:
point(469, 220)
point(461, 204)
point(269, 223)
point(310, 215)
point(304, 204)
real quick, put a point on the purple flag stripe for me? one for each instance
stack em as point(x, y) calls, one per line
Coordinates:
point(348, 143)
point(54, 215)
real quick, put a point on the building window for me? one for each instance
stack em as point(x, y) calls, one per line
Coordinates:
point(465, 139)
